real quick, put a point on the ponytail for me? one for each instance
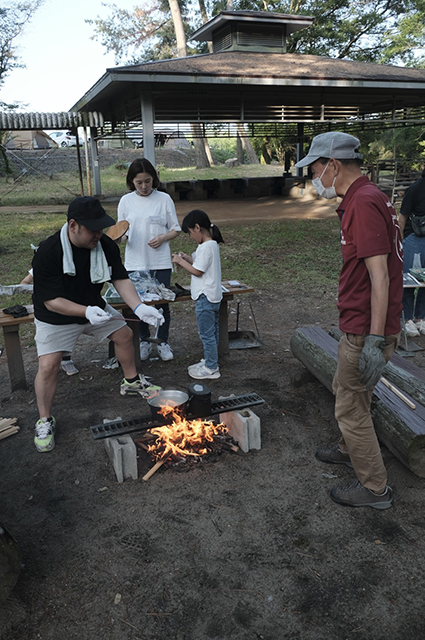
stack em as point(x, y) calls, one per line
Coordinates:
point(197, 216)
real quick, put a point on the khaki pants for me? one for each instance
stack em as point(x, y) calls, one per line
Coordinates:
point(352, 411)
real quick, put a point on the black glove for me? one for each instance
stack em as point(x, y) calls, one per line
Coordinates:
point(372, 362)
point(18, 311)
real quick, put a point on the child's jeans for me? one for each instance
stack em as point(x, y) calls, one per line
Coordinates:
point(207, 314)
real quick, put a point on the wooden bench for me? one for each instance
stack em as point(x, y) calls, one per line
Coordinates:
point(12, 342)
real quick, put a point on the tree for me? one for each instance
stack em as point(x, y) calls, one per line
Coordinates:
point(13, 18)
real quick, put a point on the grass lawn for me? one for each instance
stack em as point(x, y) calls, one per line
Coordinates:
point(300, 253)
point(60, 188)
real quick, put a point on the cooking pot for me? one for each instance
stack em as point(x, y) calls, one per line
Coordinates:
point(167, 398)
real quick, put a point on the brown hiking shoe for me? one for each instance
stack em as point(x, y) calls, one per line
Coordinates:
point(356, 495)
point(333, 456)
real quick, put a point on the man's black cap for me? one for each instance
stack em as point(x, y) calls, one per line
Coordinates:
point(89, 212)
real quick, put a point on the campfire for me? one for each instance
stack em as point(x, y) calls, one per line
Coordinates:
point(182, 442)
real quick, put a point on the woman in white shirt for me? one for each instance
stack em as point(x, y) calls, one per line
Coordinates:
point(152, 224)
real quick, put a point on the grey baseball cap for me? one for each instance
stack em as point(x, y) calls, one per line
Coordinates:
point(334, 144)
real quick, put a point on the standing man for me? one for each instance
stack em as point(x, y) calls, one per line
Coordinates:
point(412, 210)
point(70, 269)
point(369, 303)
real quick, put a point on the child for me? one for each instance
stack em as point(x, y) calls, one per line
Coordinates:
point(204, 265)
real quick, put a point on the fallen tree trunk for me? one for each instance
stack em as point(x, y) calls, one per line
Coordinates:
point(398, 427)
point(402, 373)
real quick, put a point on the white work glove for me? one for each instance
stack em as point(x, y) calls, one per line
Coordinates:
point(96, 315)
point(148, 314)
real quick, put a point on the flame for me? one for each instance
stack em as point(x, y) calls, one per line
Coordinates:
point(183, 437)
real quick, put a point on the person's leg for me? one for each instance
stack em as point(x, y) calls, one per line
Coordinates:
point(46, 381)
point(408, 292)
point(51, 341)
point(352, 411)
point(206, 315)
point(164, 277)
point(124, 350)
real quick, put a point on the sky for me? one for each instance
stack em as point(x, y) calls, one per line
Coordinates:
point(62, 62)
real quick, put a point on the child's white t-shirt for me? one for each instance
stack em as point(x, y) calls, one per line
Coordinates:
point(148, 216)
point(206, 258)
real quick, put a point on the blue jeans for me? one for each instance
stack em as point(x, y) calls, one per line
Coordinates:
point(164, 277)
point(207, 315)
point(414, 308)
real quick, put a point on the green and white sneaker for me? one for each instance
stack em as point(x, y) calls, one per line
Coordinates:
point(141, 387)
point(44, 438)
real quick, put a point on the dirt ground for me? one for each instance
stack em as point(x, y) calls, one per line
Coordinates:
point(248, 547)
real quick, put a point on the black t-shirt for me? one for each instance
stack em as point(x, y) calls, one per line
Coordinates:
point(413, 204)
point(50, 281)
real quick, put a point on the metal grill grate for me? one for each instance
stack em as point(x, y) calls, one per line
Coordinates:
point(121, 427)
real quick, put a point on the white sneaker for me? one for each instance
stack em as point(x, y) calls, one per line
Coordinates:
point(200, 371)
point(164, 351)
point(145, 350)
point(411, 329)
point(69, 367)
point(421, 326)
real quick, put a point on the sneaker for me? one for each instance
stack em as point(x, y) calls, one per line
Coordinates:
point(356, 495)
point(111, 363)
point(164, 351)
point(145, 350)
point(333, 456)
point(69, 367)
point(44, 434)
point(200, 371)
point(421, 326)
point(141, 387)
point(410, 329)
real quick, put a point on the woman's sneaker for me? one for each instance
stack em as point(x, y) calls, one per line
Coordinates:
point(69, 367)
point(421, 326)
point(164, 351)
point(44, 439)
point(145, 350)
point(411, 329)
point(200, 371)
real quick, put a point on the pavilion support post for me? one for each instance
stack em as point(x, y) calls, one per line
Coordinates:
point(95, 161)
point(300, 146)
point(148, 132)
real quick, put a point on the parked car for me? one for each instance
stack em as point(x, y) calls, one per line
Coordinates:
point(65, 139)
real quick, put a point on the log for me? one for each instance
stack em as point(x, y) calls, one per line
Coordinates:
point(398, 427)
point(404, 374)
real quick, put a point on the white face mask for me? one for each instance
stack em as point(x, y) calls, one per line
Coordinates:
point(325, 192)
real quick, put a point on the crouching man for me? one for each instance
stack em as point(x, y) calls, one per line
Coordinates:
point(70, 268)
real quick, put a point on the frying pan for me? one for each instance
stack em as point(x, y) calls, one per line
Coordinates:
point(117, 231)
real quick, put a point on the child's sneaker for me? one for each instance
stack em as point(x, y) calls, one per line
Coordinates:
point(44, 434)
point(140, 387)
point(200, 371)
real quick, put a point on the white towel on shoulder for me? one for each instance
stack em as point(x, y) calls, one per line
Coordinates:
point(99, 268)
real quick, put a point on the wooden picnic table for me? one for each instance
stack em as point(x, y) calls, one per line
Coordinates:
point(11, 325)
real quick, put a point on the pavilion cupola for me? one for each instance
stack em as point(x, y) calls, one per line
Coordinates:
point(250, 31)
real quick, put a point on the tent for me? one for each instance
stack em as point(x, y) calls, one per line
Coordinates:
point(34, 139)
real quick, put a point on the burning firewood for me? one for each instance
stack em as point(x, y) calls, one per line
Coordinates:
point(185, 443)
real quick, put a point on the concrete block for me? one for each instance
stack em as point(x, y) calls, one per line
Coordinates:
point(244, 427)
point(123, 455)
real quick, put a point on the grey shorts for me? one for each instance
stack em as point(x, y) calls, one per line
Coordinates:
point(51, 338)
